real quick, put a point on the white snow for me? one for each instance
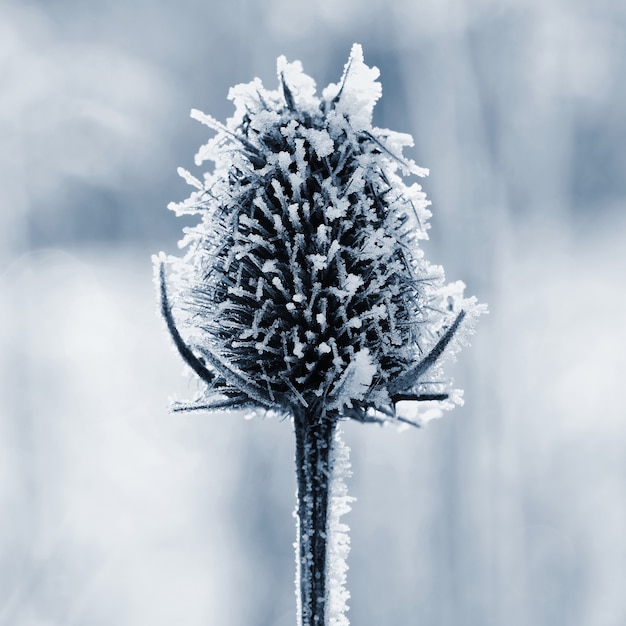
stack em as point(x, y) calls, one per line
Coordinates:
point(265, 120)
point(189, 178)
point(294, 215)
point(352, 284)
point(357, 91)
point(321, 142)
point(356, 380)
point(269, 266)
point(301, 85)
point(298, 346)
point(318, 261)
point(322, 233)
point(338, 546)
point(355, 322)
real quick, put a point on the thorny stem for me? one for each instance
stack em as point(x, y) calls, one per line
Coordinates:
point(314, 440)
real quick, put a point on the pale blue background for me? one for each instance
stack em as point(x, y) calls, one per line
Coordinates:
point(508, 512)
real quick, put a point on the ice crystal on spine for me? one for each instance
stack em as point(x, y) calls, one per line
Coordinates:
point(304, 281)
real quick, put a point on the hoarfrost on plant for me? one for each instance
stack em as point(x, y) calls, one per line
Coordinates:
point(303, 289)
point(304, 284)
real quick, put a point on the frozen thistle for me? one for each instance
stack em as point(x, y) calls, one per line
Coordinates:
point(303, 289)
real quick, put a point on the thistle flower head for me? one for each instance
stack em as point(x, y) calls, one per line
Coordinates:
point(304, 287)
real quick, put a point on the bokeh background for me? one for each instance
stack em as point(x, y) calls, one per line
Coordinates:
point(510, 511)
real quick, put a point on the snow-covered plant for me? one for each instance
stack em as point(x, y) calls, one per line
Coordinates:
point(304, 290)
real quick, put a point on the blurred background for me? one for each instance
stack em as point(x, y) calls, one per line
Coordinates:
point(508, 511)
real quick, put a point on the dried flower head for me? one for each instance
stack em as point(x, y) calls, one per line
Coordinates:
point(304, 287)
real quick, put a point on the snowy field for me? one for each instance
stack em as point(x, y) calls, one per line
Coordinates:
point(510, 511)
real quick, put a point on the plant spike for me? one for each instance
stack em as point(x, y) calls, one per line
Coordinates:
point(304, 290)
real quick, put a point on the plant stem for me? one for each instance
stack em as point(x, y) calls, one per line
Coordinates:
point(314, 441)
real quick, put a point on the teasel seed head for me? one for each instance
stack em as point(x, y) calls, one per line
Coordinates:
point(304, 284)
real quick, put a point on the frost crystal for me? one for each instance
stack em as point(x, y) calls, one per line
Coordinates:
point(339, 538)
point(303, 285)
point(304, 290)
